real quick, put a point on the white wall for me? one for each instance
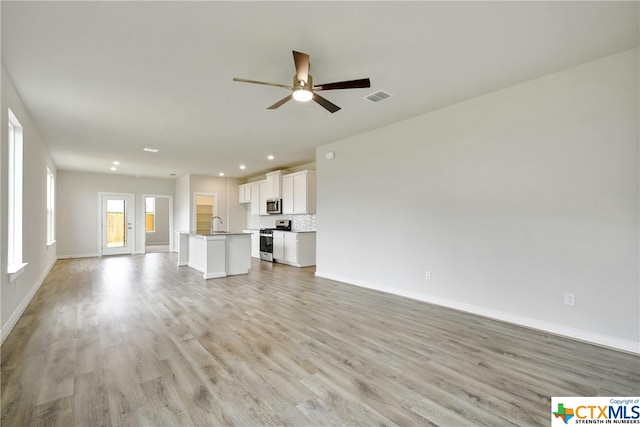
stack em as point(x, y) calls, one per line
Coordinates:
point(78, 208)
point(237, 215)
point(40, 258)
point(226, 190)
point(509, 200)
point(182, 206)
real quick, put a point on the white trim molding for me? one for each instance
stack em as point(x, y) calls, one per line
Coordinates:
point(94, 255)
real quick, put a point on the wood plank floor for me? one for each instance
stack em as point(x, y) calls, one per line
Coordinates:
point(135, 340)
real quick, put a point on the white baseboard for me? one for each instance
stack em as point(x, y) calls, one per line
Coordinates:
point(78, 256)
point(541, 325)
point(213, 276)
point(8, 327)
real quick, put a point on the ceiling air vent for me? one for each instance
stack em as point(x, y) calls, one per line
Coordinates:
point(378, 96)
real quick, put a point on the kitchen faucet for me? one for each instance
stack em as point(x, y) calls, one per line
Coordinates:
point(213, 223)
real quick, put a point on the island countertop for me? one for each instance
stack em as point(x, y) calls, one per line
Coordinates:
point(220, 233)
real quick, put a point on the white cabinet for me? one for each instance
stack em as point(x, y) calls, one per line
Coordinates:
point(273, 185)
point(262, 209)
point(259, 198)
point(244, 193)
point(255, 242)
point(299, 193)
point(291, 248)
point(287, 194)
point(220, 255)
point(278, 245)
point(297, 249)
point(255, 198)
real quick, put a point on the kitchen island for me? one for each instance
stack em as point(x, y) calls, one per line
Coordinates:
point(218, 254)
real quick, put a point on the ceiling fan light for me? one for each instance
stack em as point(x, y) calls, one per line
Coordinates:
point(302, 95)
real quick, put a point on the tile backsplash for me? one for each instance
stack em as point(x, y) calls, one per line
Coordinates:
point(298, 222)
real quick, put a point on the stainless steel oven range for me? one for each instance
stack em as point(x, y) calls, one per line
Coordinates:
point(266, 238)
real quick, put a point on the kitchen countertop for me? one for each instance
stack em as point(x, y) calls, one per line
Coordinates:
point(220, 233)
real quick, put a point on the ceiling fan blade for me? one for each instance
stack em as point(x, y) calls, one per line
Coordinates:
point(350, 84)
point(279, 103)
point(330, 106)
point(302, 66)
point(235, 79)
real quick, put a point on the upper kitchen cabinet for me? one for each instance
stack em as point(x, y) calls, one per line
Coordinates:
point(299, 193)
point(257, 193)
point(262, 209)
point(274, 180)
point(244, 193)
point(255, 198)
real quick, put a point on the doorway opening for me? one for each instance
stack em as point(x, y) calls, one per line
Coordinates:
point(204, 209)
point(158, 222)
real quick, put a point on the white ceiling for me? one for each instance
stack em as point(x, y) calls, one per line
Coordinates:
point(103, 80)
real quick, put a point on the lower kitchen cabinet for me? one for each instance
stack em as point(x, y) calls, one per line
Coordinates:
point(278, 245)
point(297, 249)
point(291, 250)
point(255, 242)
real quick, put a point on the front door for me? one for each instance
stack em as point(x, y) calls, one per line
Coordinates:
point(117, 224)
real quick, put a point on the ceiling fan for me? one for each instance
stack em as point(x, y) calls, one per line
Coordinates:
point(303, 89)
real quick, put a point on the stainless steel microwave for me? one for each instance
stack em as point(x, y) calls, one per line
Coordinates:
point(274, 206)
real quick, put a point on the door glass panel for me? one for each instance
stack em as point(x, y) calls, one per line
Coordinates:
point(116, 224)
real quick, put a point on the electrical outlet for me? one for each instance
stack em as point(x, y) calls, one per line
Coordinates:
point(569, 298)
point(427, 275)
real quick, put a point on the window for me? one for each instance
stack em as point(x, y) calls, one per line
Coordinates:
point(51, 235)
point(150, 214)
point(14, 234)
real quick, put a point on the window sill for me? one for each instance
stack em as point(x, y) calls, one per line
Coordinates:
point(53, 242)
point(15, 270)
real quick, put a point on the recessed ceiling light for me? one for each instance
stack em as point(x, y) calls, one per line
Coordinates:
point(221, 174)
point(270, 157)
point(113, 168)
point(243, 167)
point(150, 150)
point(116, 163)
point(172, 174)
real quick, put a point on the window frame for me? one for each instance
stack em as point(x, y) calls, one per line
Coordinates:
point(15, 262)
point(146, 213)
point(51, 208)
